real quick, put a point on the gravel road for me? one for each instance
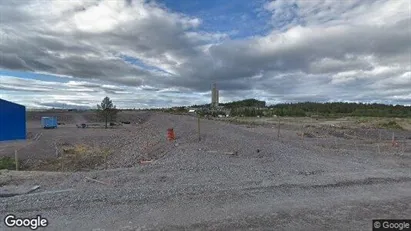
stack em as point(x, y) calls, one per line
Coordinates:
point(267, 185)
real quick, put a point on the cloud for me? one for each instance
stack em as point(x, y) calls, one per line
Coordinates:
point(315, 50)
point(77, 93)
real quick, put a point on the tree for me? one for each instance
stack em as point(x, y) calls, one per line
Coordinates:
point(107, 110)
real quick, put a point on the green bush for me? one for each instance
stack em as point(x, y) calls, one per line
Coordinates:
point(7, 163)
point(391, 125)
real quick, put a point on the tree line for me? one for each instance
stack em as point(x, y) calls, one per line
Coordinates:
point(253, 107)
point(341, 109)
point(237, 104)
point(245, 103)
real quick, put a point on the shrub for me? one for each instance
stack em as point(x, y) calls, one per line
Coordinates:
point(7, 163)
point(391, 125)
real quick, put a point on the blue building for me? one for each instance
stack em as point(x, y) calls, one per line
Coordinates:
point(12, 121)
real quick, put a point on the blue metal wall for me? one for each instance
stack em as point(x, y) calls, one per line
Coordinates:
point(12, 121)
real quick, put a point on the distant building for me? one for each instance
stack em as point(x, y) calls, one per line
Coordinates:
point(214, 96)
point(12, 121)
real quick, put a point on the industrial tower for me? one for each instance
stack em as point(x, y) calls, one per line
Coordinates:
point(214, 96)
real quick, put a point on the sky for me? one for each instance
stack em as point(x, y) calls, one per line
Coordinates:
point(163, 53)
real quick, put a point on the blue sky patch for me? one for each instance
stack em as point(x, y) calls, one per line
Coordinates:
point(141, 64)
point(238, 18)
point(33, 75)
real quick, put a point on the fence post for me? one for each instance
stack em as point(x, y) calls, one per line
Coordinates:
point(355, 141)
point(302, 133)
point(379, 140)
point(404, 147)
point(105, 162)
point(279, 123)
point(395, 144)
point(393, 139)
point(198, 125)
point(56, 149)
point(16, 160)
point(335, 141)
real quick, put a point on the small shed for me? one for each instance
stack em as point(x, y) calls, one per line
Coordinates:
point(12, 121)
point(49, 122)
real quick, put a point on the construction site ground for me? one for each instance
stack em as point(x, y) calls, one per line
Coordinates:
point(325, 174)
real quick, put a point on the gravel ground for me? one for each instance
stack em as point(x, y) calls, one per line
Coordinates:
point(268, 184)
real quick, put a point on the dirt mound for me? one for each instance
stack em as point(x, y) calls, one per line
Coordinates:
point(34, 116)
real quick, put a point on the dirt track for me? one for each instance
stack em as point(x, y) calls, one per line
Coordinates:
point(268, 185)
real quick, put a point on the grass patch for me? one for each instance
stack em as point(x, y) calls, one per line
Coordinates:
point(7, 163)
point(390, 125)
point(78, 157)
point(82, 157)
point(245, 121)
point(364, 120)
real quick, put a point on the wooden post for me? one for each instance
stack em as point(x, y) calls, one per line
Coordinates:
point(379, 141)
point(198, 125)
point(57, 150)
point(279, 123)
point(16, 160)
point(302, 134)
point(335, 141)
point(404, 147)
point(393, 139)
point(355, 141)
point(105, 160)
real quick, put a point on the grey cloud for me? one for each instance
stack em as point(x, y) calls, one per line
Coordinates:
point(74, 65)
point(20, 89)
point(84, 84)
point(63, 105)
point(65, 54)
point(111, 90)
point(235, 60)
point(150, 89)
point(13, 62)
